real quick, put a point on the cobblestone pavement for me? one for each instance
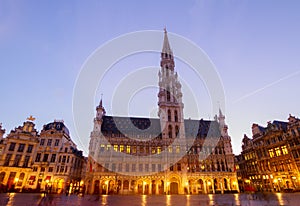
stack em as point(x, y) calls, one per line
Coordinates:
point(277, 199)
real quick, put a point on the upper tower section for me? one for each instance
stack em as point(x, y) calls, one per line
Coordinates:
point(100, 111)
point(169, 95)
point(167, 59)
point(170, 88)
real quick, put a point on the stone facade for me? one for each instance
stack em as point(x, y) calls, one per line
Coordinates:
point(46, 161)
point(270, 159)
point(168, 155)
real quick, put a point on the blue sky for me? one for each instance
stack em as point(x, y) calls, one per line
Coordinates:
point(254, 45)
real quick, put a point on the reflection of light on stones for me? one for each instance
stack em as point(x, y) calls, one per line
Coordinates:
point(187, 200)
point(104, 200)
point(237, 199)
point(211, 198)
point(280, 199)
point(144, 200)
point(168, 200)
point(11, 199)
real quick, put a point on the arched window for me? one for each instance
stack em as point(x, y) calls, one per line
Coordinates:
point(213, 166)
point(168, 94)
point(222, 165)
point(218, 166)
point(176, 131)
point(170, 131)
point(176, 116)
point(169, 115)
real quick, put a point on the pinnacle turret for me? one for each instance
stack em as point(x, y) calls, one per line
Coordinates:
point(166, 45)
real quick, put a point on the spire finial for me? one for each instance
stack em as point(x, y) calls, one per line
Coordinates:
point(166, 45)
point(165, 29)
point(101, 100)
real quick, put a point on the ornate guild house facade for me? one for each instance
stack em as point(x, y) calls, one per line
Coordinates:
point(270, 160)
point(47, 161)
point(167, 155)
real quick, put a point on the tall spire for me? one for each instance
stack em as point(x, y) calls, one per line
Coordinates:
point(100, 104)
point(169, 96)
point(100, 109)
point(166, 45)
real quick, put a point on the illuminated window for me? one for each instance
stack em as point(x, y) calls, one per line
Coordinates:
point(153, 151)
point(116, 148)
point(284, 150)
point(121, 148)
point(158, 150)
point(170, 148)
point(271, 152)
point(102, 147)
point(177, 149)
point(108, 147)
point(134, 149)
point(277, 151)
point(128, 149)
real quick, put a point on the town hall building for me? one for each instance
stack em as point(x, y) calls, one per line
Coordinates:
point(164, 155)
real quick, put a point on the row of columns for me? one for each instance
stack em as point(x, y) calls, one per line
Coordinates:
point(208, 186)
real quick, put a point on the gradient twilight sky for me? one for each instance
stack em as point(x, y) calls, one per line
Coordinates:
point(255, 46)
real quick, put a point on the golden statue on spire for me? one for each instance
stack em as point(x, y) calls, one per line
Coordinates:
point(31, 118)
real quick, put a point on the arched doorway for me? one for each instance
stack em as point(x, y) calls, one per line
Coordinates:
point(161, 187)
point(104, 187)
point(225, 184)
point(153, 187)
point(96, 187)
point(119, 186)
point(200, 186)
point(216, 186)
point(111, 187)
point(140, 187)
point(126, 185)
point(174, 188)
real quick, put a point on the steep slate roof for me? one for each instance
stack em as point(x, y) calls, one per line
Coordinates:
point(151, 127)
point(58, 126)
point(280, 124)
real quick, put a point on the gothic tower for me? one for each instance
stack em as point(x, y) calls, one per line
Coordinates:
point(170, 96)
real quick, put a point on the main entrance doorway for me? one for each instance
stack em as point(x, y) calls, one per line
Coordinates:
point(174, 188)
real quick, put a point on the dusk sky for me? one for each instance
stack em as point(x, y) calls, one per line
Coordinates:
point(254, 45)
